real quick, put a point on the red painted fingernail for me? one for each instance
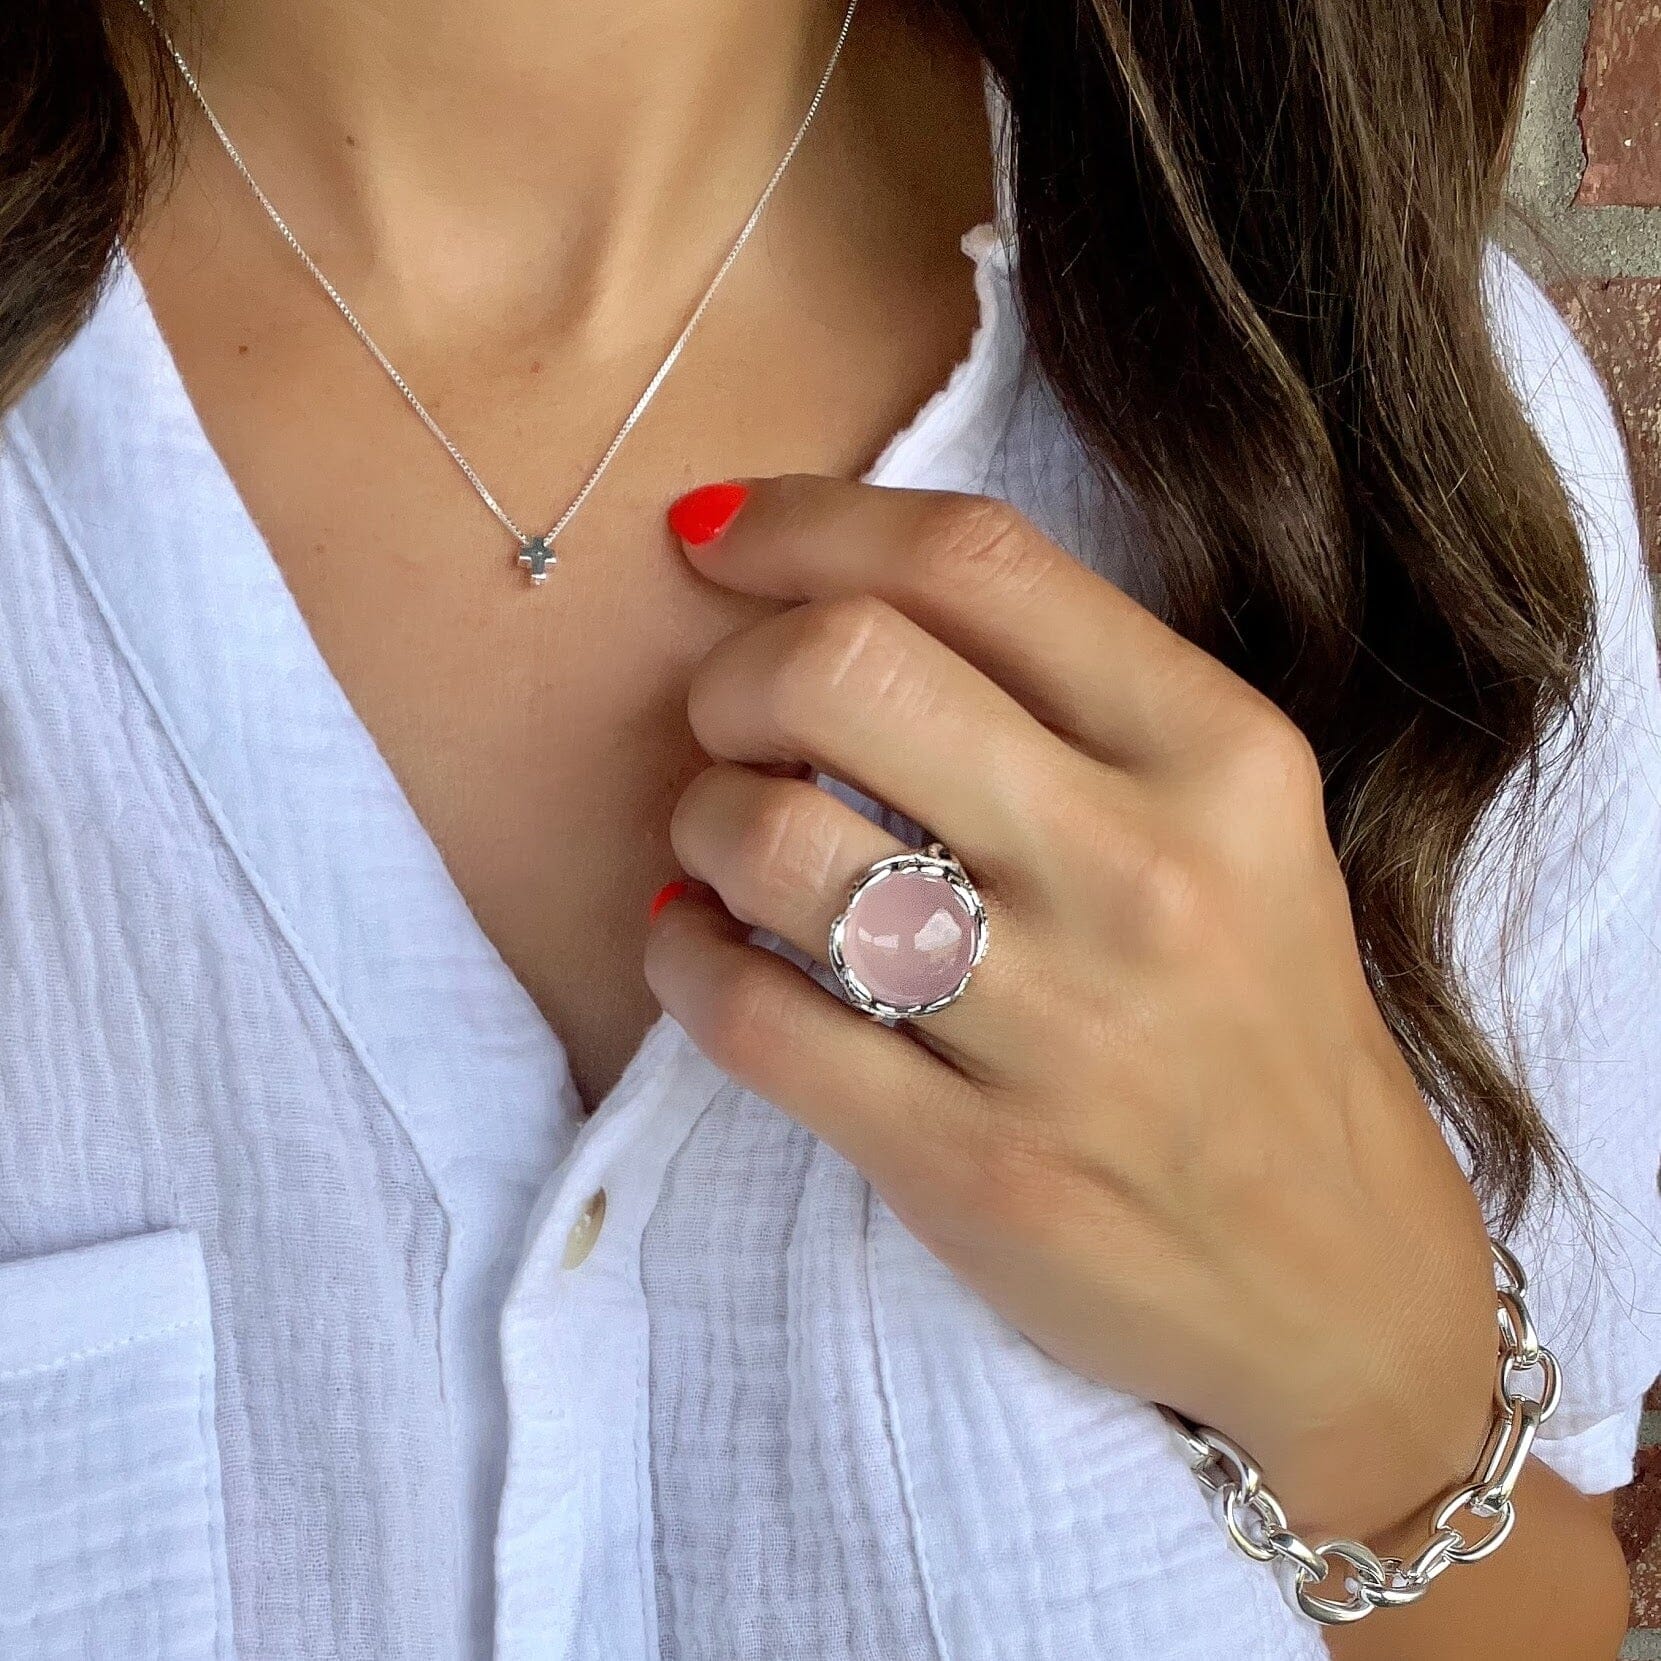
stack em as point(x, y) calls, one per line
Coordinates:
point(702, 514)
point(667, 895)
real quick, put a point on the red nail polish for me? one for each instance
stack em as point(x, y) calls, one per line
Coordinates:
point(702, 514)
point(667, 895)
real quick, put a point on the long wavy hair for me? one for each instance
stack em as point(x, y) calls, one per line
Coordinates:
point(1251, 245)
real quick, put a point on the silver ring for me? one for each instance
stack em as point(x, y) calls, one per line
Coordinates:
point(923, 931)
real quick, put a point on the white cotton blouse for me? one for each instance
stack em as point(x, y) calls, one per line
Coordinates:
point(310, 1342)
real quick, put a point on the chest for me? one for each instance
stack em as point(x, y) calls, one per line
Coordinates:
point(538, 732)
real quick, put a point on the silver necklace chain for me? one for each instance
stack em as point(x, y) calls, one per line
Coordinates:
point(536, 553)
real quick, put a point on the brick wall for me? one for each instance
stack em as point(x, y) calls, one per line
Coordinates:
point(1586, 177)
point(1586, 180)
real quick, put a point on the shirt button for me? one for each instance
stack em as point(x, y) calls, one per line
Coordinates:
point(586, 1230)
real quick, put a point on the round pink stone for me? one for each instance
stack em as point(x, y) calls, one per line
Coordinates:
point(909, 938)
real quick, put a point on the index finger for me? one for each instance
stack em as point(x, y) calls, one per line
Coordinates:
point(1078, 652)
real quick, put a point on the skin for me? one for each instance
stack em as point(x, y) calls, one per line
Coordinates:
point(1171, 934)
point(501, 271)
point(1170, 930)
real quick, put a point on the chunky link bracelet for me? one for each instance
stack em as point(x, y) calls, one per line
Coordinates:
point(1257, 1525)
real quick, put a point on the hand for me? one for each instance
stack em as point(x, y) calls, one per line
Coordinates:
point(1166, 1132)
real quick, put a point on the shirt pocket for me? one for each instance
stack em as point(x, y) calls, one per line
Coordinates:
point(112, 1540)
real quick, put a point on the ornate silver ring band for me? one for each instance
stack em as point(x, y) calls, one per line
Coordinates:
point(909, 938)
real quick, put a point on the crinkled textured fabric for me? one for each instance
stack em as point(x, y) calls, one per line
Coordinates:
point(100, 1497)
point(242, 1004)
point(167, 1062)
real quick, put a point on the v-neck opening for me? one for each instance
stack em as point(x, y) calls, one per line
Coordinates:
point(451, 1029)
point(453, 1032)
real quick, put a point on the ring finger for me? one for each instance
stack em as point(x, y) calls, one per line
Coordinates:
point(783, 854)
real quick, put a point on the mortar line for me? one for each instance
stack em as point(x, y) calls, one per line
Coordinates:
point(1554, 236)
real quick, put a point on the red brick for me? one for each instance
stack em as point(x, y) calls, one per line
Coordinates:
point(1638, 1507)
point(1620, 105)
point(1646, 1589)
point(1638, 1523)
point(1619, 322)
point(1637, 1514)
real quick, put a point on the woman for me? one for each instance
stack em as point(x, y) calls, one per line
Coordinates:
point(1255, 611)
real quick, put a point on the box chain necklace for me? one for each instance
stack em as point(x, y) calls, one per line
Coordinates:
point(536, 553)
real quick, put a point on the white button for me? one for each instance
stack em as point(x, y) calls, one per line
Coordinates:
point(586, 1230)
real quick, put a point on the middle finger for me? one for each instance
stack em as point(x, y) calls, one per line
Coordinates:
point(857, 690)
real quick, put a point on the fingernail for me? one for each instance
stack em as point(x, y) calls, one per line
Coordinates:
point(702, 514)
point(667, 895)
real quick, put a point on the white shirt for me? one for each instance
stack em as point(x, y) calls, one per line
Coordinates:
point(297, 1357)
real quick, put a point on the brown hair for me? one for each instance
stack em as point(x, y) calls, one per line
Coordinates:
point(72, 169)
point(1251, 241)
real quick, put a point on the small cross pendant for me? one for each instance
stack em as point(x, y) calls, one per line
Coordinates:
point(536, 554)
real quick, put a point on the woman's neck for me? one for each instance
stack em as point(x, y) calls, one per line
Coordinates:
point(587, 154)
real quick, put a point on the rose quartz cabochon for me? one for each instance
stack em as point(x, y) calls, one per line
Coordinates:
point(909, 938)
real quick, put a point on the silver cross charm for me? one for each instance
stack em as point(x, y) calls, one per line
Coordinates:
point(536, 554)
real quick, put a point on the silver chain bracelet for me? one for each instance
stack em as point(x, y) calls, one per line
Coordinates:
point(1257, 1524)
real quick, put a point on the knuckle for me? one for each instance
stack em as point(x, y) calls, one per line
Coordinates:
point(1167, 897)
point(855, 654)
point(835, 646)
point(693, 810)
point(784, 849)
point(775, 829)
point(763, 843)
point(1270, 763)
point(738, 1016)
point(981, 542)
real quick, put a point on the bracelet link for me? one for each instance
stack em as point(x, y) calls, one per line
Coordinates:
point(1435, 1558)
point(1551, 1381)
point(1256, 1523)
point(1501, 1520)
point(1514, 1438)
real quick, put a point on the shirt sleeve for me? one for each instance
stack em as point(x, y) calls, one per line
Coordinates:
point(1561, 932)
